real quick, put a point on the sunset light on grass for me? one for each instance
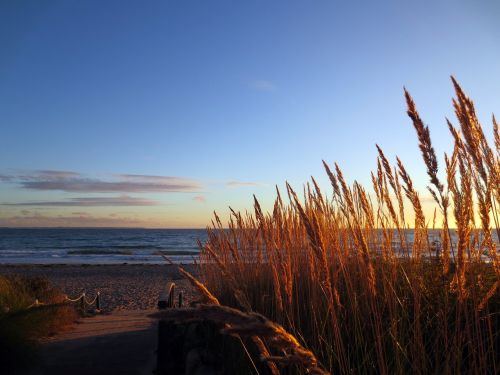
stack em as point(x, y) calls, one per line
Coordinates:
point(249, 187)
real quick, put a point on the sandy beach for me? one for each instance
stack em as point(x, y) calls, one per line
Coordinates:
point(122, 287)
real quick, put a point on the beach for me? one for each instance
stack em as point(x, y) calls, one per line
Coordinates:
point(122, 287)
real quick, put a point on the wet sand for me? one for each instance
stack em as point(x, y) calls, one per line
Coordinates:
point(122, 287)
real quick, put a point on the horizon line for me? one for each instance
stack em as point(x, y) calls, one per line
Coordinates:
point(176, 228)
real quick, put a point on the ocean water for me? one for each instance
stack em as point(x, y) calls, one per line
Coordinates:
point(117, 246)
point(98, 246)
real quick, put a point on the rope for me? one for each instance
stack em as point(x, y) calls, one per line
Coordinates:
point(35, 304)
point(67, 299)
point(80, 298)
point(92, 302)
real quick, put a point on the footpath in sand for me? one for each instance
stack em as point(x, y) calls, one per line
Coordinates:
point(123, 342)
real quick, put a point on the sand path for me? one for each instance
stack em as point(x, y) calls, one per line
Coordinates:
point(123, 342)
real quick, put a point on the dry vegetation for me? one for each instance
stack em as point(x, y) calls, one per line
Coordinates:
point(22, 324)
point(348, 280)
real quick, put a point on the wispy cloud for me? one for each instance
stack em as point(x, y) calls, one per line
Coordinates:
point(262, 85)
point(97, 186)
point(199, 198)
point(123, 200)
point(235, 184)
point(125, 183)
point(49, 173)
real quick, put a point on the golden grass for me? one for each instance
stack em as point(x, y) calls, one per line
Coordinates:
point(344, 278)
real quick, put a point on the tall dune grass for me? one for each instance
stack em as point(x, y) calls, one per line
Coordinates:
point(342, 274)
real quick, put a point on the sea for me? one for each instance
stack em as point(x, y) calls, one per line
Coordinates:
point(98, 246)
point(115, 246)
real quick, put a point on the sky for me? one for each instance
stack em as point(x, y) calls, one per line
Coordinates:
point(155, 114)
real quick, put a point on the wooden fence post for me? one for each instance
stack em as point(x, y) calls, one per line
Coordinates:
point(171, 292)
point(98, 302)
point(166, 298)
point(82, 302)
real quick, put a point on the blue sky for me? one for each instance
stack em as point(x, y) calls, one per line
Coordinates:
point(186, 107)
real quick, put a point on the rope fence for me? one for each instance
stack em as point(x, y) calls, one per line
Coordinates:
point(81, 299)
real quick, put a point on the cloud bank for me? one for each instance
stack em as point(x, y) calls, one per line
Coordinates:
point(77, 219)
point(123, 200)
point(74, 182)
